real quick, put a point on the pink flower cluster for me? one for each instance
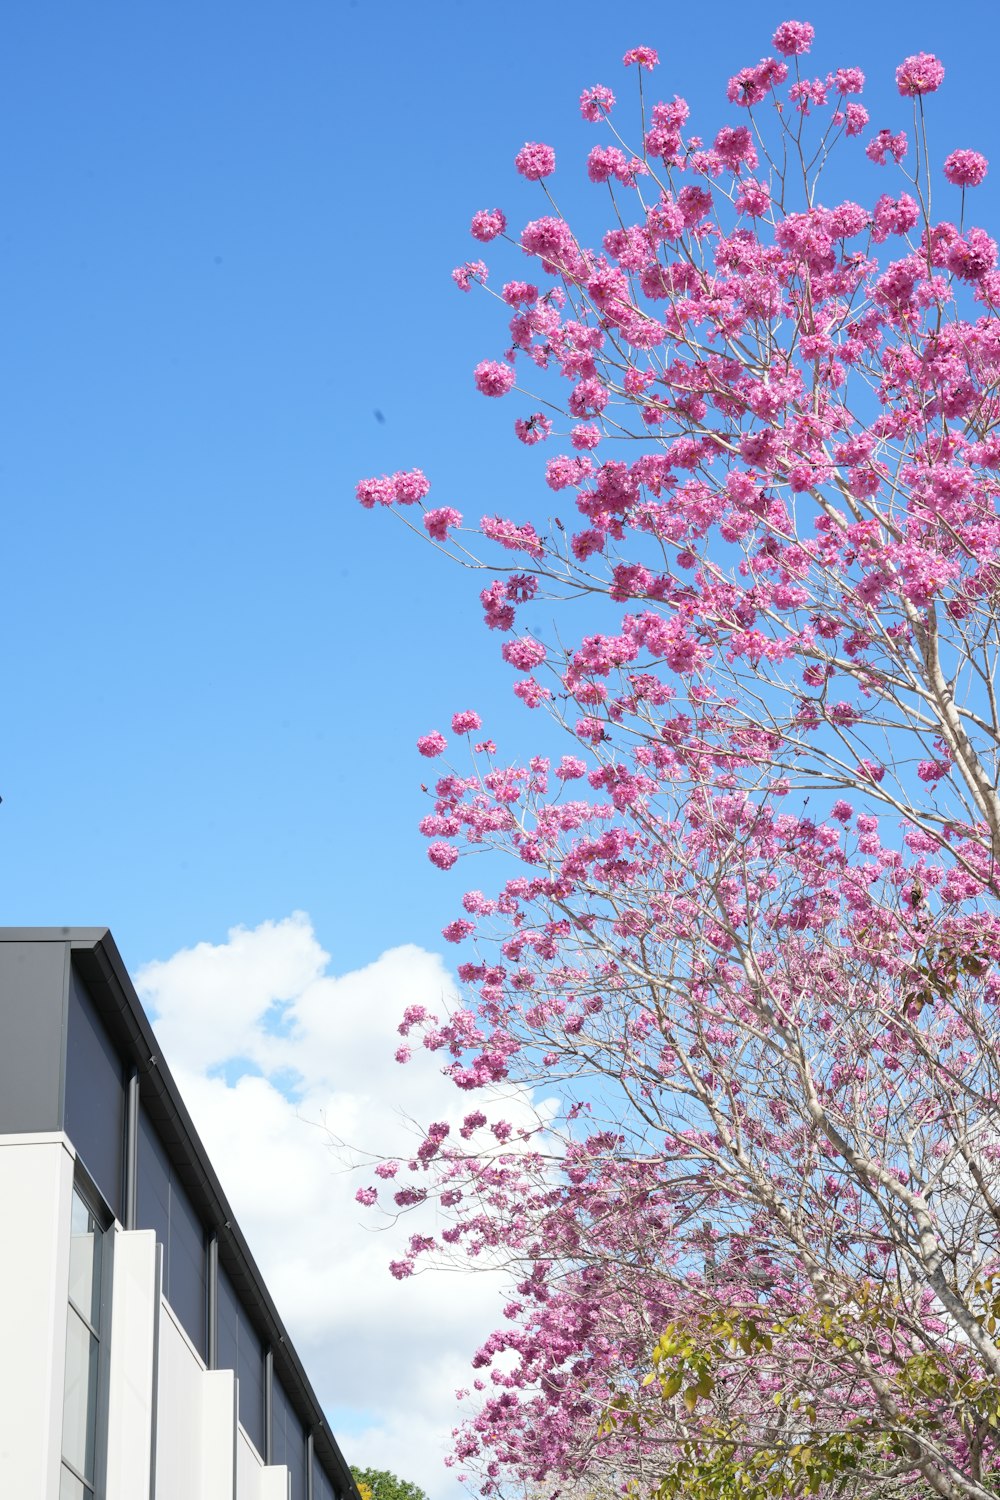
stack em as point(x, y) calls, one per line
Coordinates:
point(920, 74)
point(487, 224)
point(596, 103)
point(466, 722)
point(965, 168)
point(404, 488)
point(793, 38)
point(493, 378)
point(533, 429)
point(643, 57)
point(752, 85)
point(535, 161)
point(438, 522)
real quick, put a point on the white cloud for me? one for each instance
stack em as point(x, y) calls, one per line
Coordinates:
point(386, 1356)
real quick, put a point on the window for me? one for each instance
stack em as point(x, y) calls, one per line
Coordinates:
point(288, 1440)
point(163, 1205)
point(83, 1348)
point(95, 1095)
point(240, 1349)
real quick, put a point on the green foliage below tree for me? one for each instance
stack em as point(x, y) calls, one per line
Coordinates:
point(379, 1484)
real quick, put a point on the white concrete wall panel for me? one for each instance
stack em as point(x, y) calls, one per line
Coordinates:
point(195, 1421)
point(254, 1479)
point(248, 1466)
point(36, 1189)
point(273, 1482)
point(178, 1414)
point(135, 1300)
point(218, 1457)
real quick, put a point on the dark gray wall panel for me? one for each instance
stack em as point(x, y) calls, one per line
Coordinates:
point(163, 1206)
point(288, 1440)
point(32, 1016)
point(240, 1349)
point(95, 1095)
point(323, 1488)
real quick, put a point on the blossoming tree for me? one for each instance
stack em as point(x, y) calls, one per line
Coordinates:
point(748, 929)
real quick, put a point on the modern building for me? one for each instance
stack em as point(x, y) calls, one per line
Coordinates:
point(145, 1358)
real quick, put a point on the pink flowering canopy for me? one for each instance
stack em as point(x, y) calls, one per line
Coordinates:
point(743, 930)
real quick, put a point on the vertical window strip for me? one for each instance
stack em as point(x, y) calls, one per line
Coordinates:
point(83, 1340)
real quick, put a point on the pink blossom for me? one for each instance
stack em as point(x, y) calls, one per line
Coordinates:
point(753, 198)
point(517, 292)
point(970, 258)
point(535, 161)
point(386, 1169)
point(531, 693)
point(894, 216)
point(571, 768)
point(402, 1055)
point(751, 85)
point(431, 744)
point(965, 168)
point(553, 241)
point(586, 435)
point(596, 102)
point(734, 147)
point(487, 223)
point(473, 270)
point(793, 38)
point(403, 488)
point(498, 613)
point(585, 544)
point(441, 854)
point(857, 118)
point(608, 161)
point(401, 1269)
point(932, 770)
point(886, 144)
point(587, 396)
point(920, 74)
point(522, 538)
point(644, 57)
point(847, 81)
point(367, 1196)
point(493, 378)
point(478, 905)
point(869, 770)
point(466, 721)
point(524, 653)
point(457, 931)
point(411, 486)
point(534, 428)
point(376, 492)
point(438, 521)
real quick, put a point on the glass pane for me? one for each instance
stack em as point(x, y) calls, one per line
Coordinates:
point(70, 1487)
point(80, 1398)
point(85, 1262)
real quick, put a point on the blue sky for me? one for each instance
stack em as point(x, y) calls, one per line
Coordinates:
point(228, 237)
point(228, 233)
